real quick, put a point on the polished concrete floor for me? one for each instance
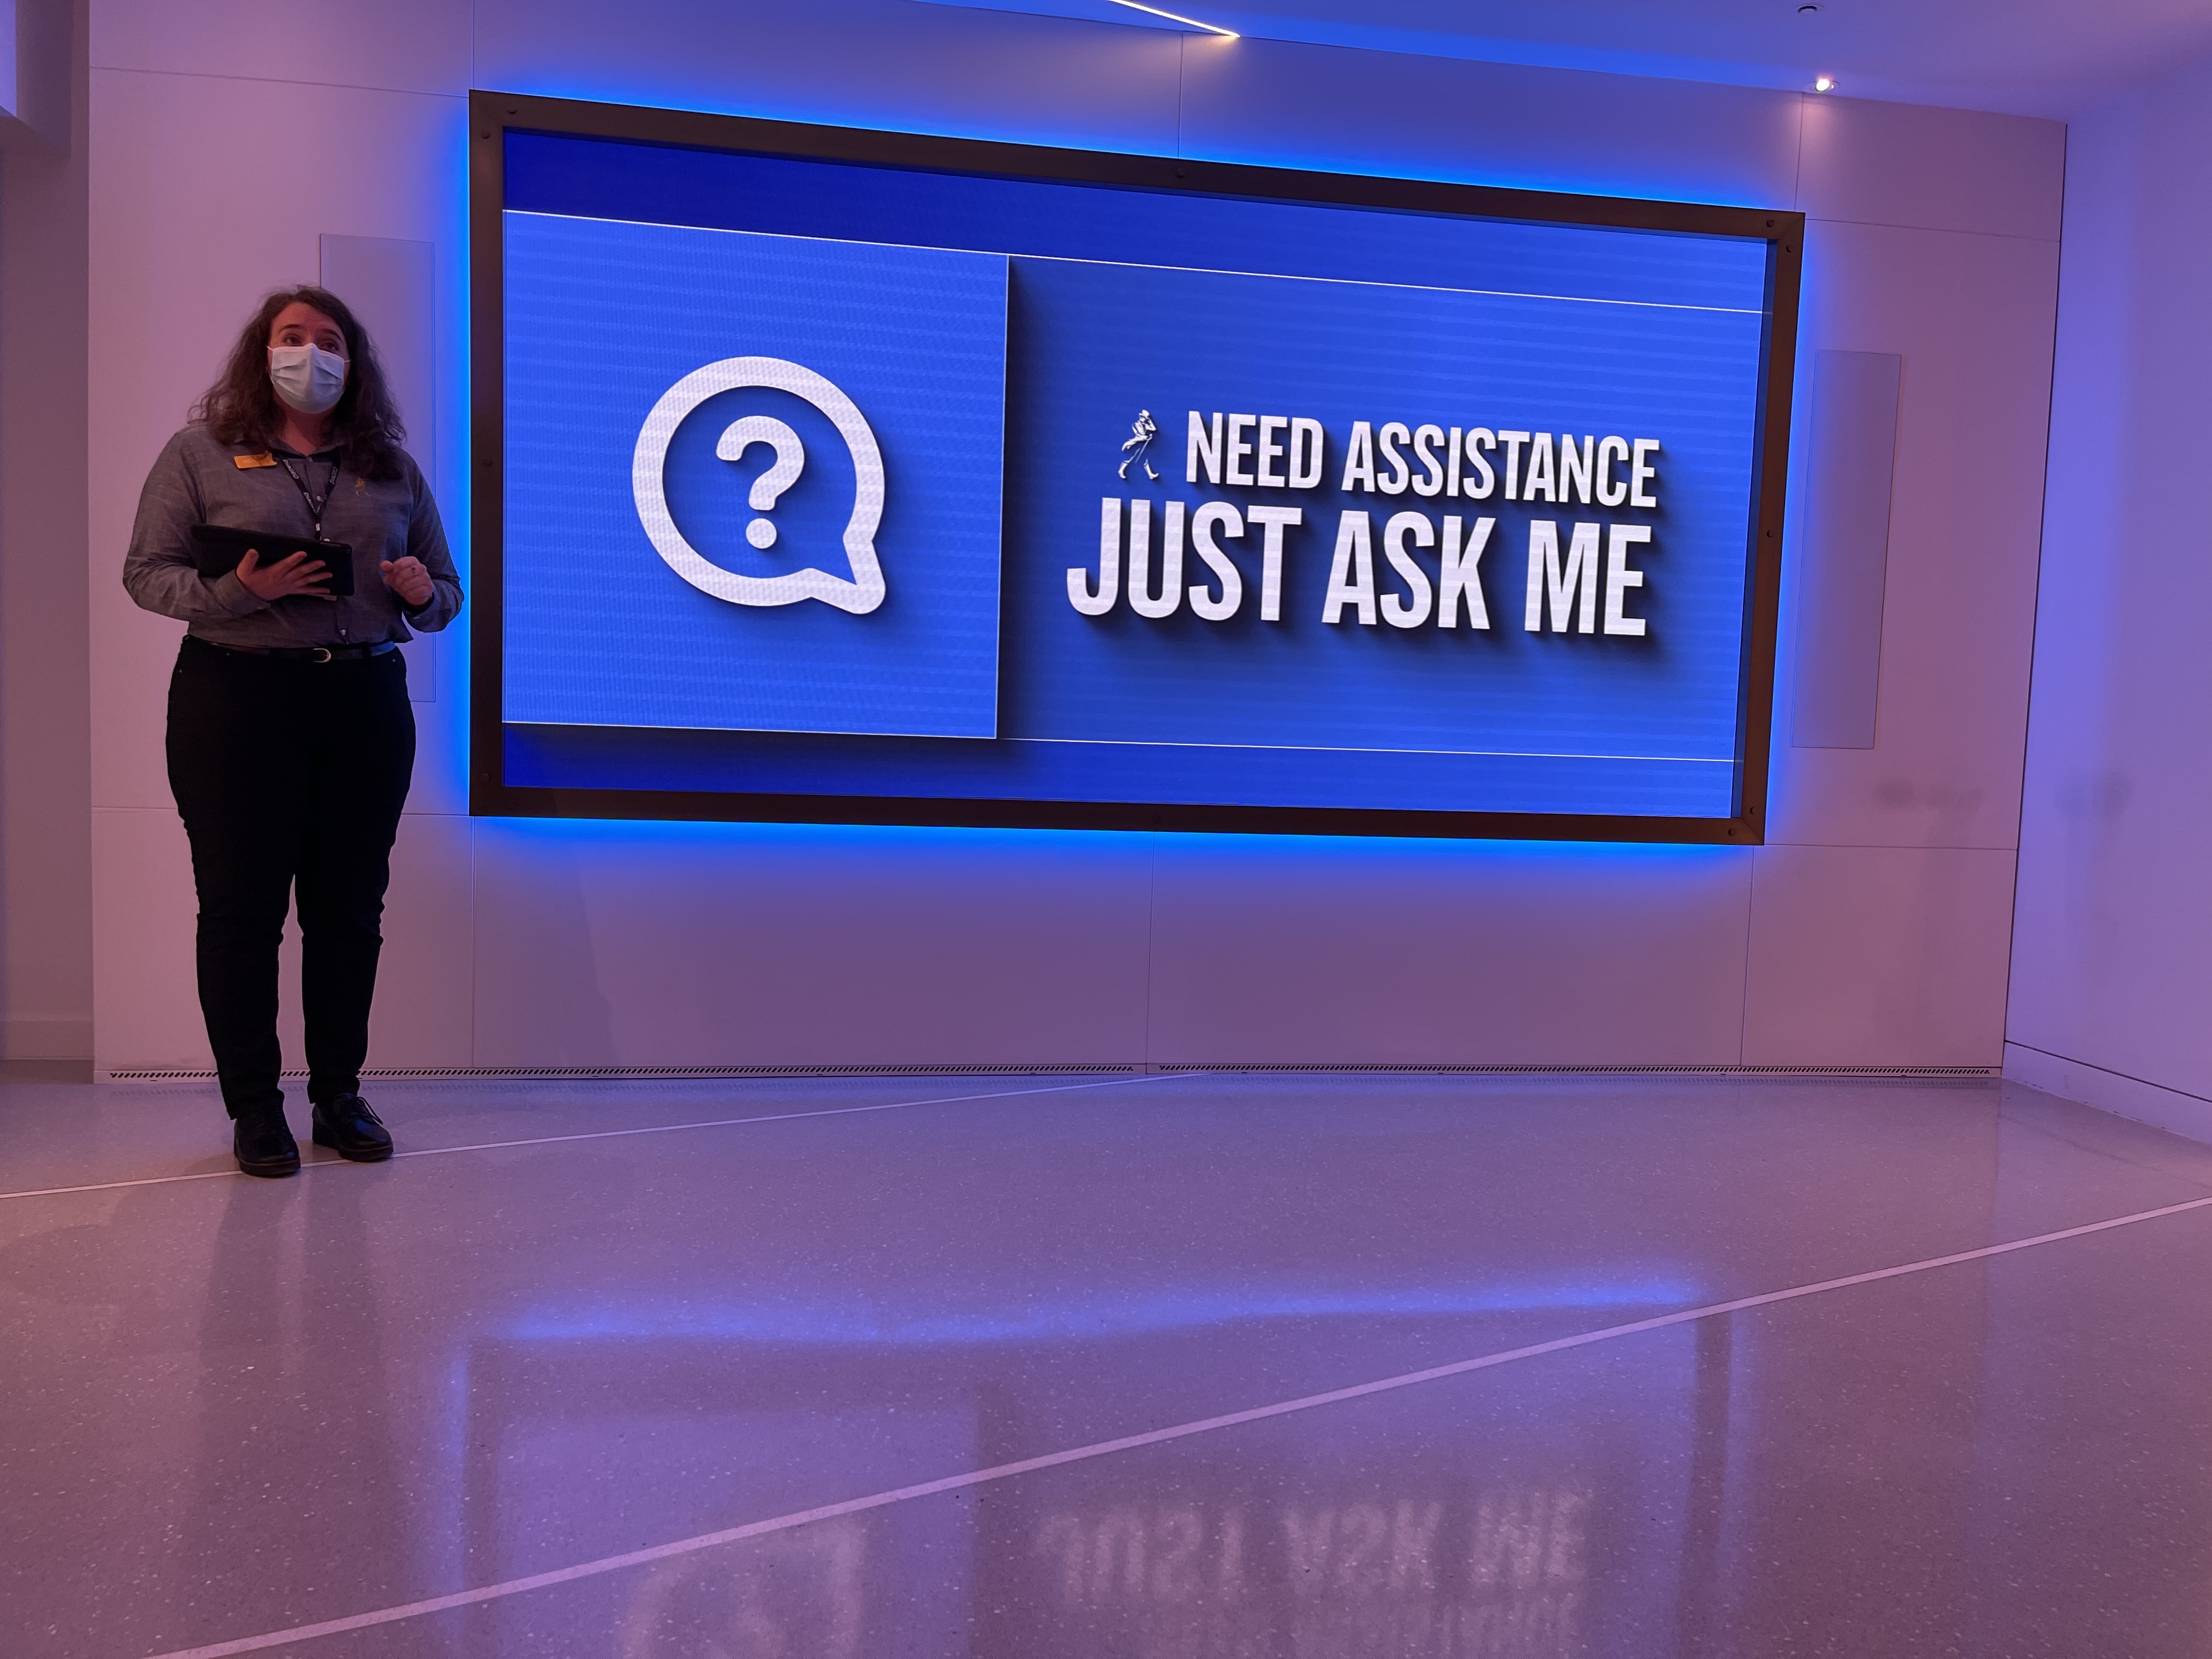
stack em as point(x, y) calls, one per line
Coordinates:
point(444, 1405)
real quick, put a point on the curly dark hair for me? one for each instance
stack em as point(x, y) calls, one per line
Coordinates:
point(241, 408)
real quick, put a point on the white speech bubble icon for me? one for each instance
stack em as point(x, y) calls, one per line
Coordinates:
point(790, 462)
point(860, 595)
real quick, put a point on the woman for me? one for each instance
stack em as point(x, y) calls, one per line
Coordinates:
point(291, 742)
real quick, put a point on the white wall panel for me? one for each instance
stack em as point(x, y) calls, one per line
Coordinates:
point(1877, 956)
point(1971, 315)
point(401, 45)
point(142, 914)
point(424, 986)
point(426, 979)
point(2113, 955)
point(865, 63)
point(1842, 553)
point(187, 241)
point(391, 284)
point(1447, 953)
point(1292, 105)
point(638, 945)
point(625, 944)
point(46, 861)
point(143, 924)
point(1932, 169)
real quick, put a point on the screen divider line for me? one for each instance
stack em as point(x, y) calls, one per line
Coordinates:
point(1349, 748)
point(1159, 742)
point(1134, 1442)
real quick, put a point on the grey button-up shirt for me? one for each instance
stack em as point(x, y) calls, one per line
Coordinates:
point(197, 481)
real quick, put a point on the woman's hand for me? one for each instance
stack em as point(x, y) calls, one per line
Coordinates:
point(408, 579)
point(288, 576)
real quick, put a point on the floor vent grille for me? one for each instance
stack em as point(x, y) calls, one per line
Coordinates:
point(672, 1072)
point(679, 1073)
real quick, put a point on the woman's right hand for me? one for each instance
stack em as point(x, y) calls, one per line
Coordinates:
point(296, 575)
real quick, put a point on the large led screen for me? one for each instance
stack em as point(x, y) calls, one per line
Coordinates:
point(855, 476)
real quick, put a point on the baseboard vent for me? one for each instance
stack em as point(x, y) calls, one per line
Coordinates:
point(679, 1073)
point(669, 1072)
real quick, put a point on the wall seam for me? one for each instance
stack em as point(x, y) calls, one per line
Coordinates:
point(1797, 163)
point(461, 97)
point(1743, 1003)
point(2035, 611)
point(475, 928)
point(1894, 845)
point(1933, 230)
point(1152, 936)
point(1182, 62)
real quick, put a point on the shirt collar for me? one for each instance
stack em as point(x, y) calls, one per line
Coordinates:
point(328, 452)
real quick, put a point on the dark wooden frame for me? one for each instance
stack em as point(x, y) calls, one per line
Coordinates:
point(492, 115)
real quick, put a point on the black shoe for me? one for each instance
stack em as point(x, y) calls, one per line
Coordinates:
point(349, 1128)
point(265, 1146)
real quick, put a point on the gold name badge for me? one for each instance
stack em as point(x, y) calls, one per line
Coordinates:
point(243, 462)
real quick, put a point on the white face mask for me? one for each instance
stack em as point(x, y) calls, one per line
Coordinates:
point(309, 378)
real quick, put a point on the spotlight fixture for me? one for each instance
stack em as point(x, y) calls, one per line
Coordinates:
point(1808, 9)
point(1826, 84)
point(1176, 17)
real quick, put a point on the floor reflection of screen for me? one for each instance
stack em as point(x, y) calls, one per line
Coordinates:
point(1460, 1519)
point(1560, 1507)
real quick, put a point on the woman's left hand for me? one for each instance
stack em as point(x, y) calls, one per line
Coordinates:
point(408, 579)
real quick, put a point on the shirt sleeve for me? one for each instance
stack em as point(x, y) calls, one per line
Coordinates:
point(159, 571)
point(426, 540)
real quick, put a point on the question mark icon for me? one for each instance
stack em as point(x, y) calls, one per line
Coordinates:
point(790, 462)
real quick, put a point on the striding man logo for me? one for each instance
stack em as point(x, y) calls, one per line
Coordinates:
point(1137, 448)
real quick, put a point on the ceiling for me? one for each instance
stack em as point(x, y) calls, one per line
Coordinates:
point(2050, 58)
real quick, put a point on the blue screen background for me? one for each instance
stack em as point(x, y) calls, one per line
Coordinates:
point(1120, 709)
point(602, 319)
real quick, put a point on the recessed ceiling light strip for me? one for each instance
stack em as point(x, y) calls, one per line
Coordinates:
point(1175, 17)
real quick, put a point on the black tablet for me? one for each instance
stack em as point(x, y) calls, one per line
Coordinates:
point(217, 549)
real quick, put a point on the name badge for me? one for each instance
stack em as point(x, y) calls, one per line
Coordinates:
point(243, 462)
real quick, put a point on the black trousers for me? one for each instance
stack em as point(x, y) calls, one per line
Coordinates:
point(290, 776)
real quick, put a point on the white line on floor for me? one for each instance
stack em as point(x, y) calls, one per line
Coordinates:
point(1128, 1442)
point(308, 1163)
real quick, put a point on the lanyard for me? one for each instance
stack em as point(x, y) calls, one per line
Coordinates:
point(315, 503)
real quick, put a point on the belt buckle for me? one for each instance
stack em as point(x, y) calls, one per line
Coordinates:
point(322, 653)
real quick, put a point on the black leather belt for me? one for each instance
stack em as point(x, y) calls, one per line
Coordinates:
point(314, 652)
